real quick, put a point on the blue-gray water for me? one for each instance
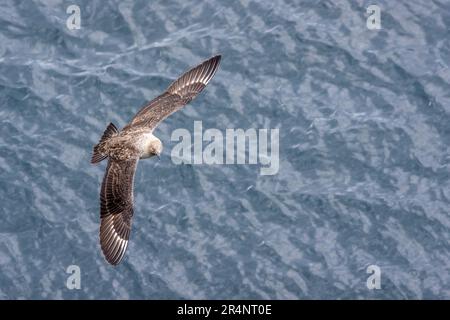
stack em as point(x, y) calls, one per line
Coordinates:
point(364, 119)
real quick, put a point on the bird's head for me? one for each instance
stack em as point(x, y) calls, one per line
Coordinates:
point(155, 147)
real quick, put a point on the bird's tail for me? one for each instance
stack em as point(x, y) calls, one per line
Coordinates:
point(97, 154)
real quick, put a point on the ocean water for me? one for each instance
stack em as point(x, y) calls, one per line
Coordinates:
point(364, 133)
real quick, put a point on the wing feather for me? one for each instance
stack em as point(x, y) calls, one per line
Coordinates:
point(116, 208)
point(177, 95)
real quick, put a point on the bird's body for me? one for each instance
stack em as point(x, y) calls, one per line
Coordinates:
point(135, 141)
point(128, 144)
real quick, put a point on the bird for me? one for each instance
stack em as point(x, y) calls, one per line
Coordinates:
point(123, 149)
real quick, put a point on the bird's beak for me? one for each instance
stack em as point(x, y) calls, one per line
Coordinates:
point(159, 156)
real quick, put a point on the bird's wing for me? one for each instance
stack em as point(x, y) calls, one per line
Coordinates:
point(116, 208)
point(177, 95)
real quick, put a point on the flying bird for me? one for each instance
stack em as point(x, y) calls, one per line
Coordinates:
point(135, 141)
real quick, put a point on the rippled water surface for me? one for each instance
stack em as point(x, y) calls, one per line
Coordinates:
point(364, 120)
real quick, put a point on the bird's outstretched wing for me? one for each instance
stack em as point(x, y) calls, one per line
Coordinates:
point(179, 93)
point(116, 208)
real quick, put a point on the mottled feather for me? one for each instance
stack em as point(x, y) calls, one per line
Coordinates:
point(177, 95)
point(116, 208)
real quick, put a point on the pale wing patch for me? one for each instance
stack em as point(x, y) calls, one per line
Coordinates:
point(193, 81)
point(114, 235)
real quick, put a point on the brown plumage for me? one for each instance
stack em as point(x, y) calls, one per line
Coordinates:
point(136, 141)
